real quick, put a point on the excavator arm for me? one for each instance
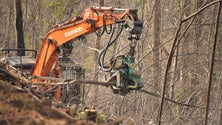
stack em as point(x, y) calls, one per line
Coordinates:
point(59, 78)
point(92, 19)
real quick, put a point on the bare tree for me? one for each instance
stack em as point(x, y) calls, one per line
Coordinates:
point(19, 26)
point(212, 62)
point(7, 43)
point(156, 40)
point(96, 54)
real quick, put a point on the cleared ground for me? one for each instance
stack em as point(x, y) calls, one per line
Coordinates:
point(20, 108)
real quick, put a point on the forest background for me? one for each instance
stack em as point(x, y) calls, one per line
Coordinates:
point(178, 56)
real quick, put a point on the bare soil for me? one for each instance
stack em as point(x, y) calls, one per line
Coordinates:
point(20, 108)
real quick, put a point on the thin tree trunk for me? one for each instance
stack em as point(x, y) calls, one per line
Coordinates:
point(198, 33)
point(19, 26)
point(33, 17)
point(96, 54)
point(156, 42)
point(7, 43)
point(212, 65)
point(185, 79)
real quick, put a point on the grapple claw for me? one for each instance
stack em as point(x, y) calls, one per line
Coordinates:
point(124, 82)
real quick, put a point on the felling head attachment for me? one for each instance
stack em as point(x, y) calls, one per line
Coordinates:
point(123, 75)
point(122, 66)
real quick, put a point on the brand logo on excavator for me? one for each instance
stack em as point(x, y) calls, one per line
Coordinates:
point(73, 31)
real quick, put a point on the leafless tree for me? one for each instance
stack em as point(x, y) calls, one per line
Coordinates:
point(19, 26)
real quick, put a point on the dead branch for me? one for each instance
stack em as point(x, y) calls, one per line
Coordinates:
point(200, 10)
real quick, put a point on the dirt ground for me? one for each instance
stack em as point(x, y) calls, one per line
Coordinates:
point(20, 108)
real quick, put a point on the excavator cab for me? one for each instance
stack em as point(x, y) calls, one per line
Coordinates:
point(18, 66)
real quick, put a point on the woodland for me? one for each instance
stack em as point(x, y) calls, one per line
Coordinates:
point(178, 56)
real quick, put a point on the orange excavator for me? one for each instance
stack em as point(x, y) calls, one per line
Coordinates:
point(53, 68)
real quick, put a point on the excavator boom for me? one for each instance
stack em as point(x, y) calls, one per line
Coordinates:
point(55, 75)
point(91, 20)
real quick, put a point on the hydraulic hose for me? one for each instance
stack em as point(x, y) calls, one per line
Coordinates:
point(104, 29)
point(102, 55)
